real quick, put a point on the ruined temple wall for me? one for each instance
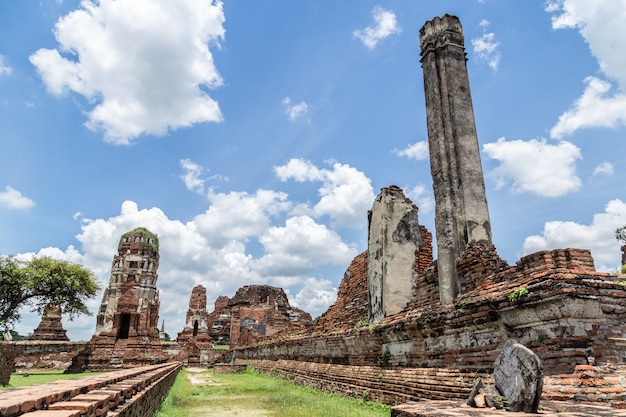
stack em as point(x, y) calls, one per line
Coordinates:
point(350, 307)
point(42, 354)
point(570, 316)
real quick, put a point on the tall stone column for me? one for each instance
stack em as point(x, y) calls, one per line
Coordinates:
point(461, 214)
point(394, 239)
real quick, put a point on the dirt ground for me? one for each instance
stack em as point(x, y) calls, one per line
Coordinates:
point(201, 376)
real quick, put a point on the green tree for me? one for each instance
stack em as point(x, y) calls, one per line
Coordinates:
point(620, 234)
point(41, 281)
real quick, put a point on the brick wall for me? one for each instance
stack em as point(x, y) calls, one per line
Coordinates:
point(351, 305)
point(571, 316)
point(46, 354)
point(388, 385)
point(136, 392)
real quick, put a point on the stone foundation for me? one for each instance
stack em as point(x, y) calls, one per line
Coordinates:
point(571, 316)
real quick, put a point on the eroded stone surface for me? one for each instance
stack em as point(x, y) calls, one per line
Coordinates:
point(518, 373)
point(394, 238)
point(461, 213)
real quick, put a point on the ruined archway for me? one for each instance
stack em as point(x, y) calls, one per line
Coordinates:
point(122, 332)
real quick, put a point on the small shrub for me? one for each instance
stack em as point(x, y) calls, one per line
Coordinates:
point(361, 324)
point(502, 403)
point(518, 294)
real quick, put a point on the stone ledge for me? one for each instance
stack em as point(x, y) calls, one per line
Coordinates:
point(225, 368)
point(460, 409)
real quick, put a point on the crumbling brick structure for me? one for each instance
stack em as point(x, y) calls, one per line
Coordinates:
point(126, 329)
point(50, 327)
point(194, 339)
point(351, 305)
point(196, 324)
point(219, 321)
point(469, 302)
point(255, 313)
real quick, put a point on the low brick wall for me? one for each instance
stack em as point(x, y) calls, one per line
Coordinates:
point(571, 316)
point(136, 392)
point(43, 354)
point(388, 385)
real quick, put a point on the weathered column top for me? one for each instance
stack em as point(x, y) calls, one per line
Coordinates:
point(430, 33)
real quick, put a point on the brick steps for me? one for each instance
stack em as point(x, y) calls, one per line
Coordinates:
point(108, 394)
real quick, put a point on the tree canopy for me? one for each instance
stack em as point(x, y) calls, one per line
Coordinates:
point(41, 281)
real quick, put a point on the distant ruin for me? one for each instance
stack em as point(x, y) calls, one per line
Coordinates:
point(196, 324)
point(50, 327)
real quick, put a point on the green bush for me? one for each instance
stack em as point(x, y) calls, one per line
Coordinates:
point(518, 294)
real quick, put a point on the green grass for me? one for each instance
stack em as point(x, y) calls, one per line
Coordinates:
point(221, 347)
point(250, 394)
point(39, 377)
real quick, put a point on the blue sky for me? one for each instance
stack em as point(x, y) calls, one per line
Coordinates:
point(253, 136)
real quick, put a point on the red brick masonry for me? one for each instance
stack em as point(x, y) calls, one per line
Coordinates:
point(135, 392)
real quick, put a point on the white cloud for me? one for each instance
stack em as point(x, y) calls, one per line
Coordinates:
point(535, 167)
point(5, 69)
point(238, 216)
point(385, 25)
point(14, 200)
point(417, 151)
point(294, 111)
point(593, 109)
point(424, 199)
point(192, 176)
point(601, 24)
point(144, 65)
point(315, 295)
point(300, 246)
point(346, 193)
point(599, 236)
point(299, 170)
point(605, 168)
point(486, 47)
